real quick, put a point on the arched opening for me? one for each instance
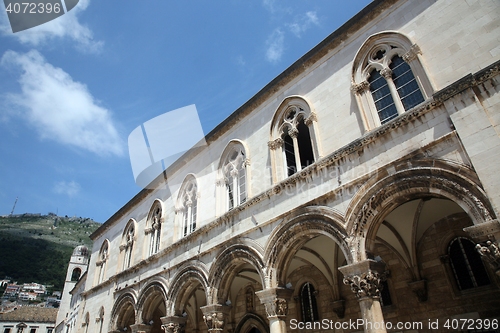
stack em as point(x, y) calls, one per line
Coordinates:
point(188, 296)
point(75, 275)
point(153, 307)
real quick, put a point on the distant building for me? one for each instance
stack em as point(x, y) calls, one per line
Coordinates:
point(74, 285)
point(12, 290)
point(28, 319)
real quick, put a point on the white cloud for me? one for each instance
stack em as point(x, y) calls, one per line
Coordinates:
point(66, 26)
point(275, 45)
point(70, 189)
point(304, 23)
point(59, 108)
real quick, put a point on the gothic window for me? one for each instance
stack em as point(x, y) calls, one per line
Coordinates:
point(187, 205)
point(154, 229)
point(294, 142)
point(249, 299)
point(385, 295)
point(466, 263)
point(127, 244)
point(232, 176)
point(308, 303)
point(388, 78)
point(102, 260)
point(75, 275)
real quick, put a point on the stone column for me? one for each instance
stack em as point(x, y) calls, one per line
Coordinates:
point(140, 328)
point(364, 278)
point(487, 236)
point(276, 302)
point(215, 317)
point(173, 324)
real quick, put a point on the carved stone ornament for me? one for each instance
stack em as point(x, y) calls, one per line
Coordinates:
point(339, 308)
point(312, 117)
point(360, 88)
point(273, 145)
point(214, 321)
point(490, 253)
point(386, 73)
point(366, 284)
point(412, 53)
point(173, 324)
point(173, 328)
point(214, 316)
point(277, 308)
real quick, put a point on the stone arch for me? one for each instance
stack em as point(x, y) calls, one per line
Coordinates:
point(150, 297)
point(303, 225)
point(249, 321)
point(226, 263)
point(182, 284)
point(425, 178)
point(125, 305)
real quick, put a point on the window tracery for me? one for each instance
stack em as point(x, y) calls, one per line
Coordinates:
point(388, 78)
point(294, 142)
point(154, 230)
point(101, 262)
point(127, 245)
point(233, 176)
point(187, 205)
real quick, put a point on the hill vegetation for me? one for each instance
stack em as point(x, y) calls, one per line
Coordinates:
point(37, 248)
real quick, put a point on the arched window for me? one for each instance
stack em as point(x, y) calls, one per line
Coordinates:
point(466, 263)
point(294, 142)
point(232, 177)
point(75, 276)
point(102, 260)
point(127, 245)
point(308, 303)
point(187, 205)
point(388, 78)
point(154, 229)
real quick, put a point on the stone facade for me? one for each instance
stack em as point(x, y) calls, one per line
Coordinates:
point(361, 183)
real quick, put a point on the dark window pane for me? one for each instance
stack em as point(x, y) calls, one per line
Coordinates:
point(289, 155)
point(305, 145)
point(405, 83)
point(382, 97)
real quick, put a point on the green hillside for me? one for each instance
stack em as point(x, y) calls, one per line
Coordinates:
point(38, 248)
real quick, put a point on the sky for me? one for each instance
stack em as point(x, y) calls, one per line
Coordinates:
point(74, 88)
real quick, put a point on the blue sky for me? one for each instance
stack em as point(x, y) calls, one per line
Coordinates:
point(73, 89)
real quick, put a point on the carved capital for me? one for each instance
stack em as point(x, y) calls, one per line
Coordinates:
point(364, 277)
point(490, 253)
point(273, 145)
point(386, 73)
point(412, 53)
point(293, 132)
point(360, 88)
point(312, 117)
point(140, 328)
point(173, 324)
point(275, 301)
point(215, 317)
